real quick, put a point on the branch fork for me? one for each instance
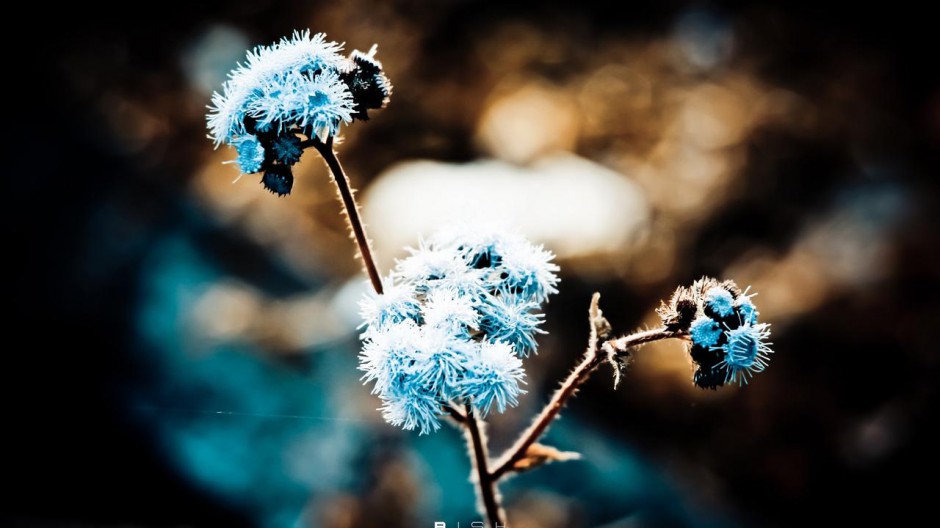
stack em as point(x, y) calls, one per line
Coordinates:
point(526, 452)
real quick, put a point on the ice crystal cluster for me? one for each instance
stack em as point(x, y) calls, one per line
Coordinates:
point(455, 320)
point(299, 86)
point(728, 344)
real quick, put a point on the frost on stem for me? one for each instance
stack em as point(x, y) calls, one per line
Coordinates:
point(456, 319)
point(298, 85)
point(727, 343)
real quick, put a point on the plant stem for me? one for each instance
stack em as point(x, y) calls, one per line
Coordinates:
point(352, 209)
point(578, 376)
point(486, 483)
point(622, 345)
point(455, 414)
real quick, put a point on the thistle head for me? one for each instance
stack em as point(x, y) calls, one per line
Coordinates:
point(453, 325)
point(301, 85)
point(727, 343)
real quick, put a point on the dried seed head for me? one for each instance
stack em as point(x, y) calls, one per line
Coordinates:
point(727, 343)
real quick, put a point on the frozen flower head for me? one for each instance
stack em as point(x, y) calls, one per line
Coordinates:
point(298, 86)
point(250, 154)
point(494, 377)
point(728, 344)
point(512, 264)
point(454, 322)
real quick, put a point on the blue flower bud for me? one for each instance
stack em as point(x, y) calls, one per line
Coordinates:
point(278, 179)
point(705, 332)
point(250, 154)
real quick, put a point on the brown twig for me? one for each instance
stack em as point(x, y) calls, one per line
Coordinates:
point(486, 483)
point(622, 345)
point(581, 373)
point(352, 209)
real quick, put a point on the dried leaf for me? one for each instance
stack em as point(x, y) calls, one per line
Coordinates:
point(540, 454)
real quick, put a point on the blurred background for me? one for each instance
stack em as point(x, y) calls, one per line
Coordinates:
point(190, 347)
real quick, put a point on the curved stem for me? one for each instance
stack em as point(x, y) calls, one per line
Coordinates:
point(455, 414)
point(622, 345)
point(578, 376)
point(486, 483)
point(352, 209)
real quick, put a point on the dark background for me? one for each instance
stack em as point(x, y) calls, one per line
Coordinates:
point(107, 211)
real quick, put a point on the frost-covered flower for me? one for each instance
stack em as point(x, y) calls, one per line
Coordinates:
point(315, 103)
point(294, 79)
point(449, 330)
point(388, 357)
point(512, 319)
point(416, 409)
point(704, 331)
point(250, 154)
point(745, 351)
point(397, 304)
point(495, 375)
point(440, 360)
point(449, 310)
point(299, 85)
point(719, 300)
point(429, 266)
point(727, 343)
point(514, 265)
point(746, 308)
